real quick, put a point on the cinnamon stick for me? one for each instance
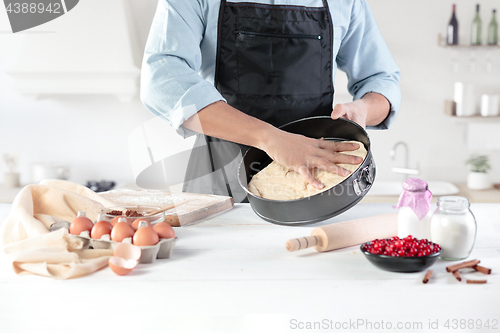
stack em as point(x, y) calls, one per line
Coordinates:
point(476, 281)
point(465, 264)
point(457, 275)
point(482, 269)
point(427, 276)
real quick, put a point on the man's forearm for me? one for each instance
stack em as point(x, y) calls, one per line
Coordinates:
point(222, 121)
point(225, 122)
point(378, 108)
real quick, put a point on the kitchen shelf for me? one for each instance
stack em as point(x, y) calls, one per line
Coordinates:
point(472, 47)
point(484, 47)
point(474, 119)
point(475, 196)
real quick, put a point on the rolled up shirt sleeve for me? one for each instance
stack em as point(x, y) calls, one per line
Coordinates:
point(367, 61)
point(171, 86)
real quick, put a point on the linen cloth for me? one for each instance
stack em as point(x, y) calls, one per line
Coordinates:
point(33, 249)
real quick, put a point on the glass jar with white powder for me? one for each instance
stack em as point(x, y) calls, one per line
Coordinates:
point(453, 227)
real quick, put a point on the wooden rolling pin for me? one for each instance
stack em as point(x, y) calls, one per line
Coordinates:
point(343, 234)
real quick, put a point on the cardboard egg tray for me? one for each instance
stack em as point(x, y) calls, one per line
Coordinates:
point(162, 250)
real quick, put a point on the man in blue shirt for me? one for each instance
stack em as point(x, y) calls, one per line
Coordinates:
point(236, 71)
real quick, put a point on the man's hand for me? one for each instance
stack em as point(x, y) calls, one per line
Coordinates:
point(370, 110)
point(302, 154)
point(355, 111)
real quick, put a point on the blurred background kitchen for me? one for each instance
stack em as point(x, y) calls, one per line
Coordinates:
point(70, 108)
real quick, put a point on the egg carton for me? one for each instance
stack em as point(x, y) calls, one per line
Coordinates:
point(162, 250)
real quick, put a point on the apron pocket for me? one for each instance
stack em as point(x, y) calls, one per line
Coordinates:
point(278, 63)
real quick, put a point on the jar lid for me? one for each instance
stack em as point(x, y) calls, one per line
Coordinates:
point(453, 202)
point(415, 185)
point(416, 196)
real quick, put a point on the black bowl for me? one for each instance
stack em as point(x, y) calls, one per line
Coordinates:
point(400, 264)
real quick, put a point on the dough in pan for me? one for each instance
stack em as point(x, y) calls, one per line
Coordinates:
point(277, 182)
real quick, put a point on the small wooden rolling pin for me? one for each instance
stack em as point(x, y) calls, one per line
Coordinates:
point(343, 234)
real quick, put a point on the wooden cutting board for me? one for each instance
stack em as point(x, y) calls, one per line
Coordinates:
point(193, 207)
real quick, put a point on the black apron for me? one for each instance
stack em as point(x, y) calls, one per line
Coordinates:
point(274, 62)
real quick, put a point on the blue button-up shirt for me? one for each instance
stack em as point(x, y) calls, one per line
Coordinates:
point(179, 62)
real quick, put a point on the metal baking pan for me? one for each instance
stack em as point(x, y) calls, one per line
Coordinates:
point(321, 206)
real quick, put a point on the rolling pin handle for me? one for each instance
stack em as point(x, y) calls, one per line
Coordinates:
point(302, 243)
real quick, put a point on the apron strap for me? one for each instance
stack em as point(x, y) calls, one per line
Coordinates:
point(208, 140)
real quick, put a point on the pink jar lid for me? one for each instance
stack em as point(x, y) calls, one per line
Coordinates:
point(415, 195)
point(415, 185)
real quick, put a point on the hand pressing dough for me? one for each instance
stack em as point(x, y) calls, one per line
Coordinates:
point(277, 182)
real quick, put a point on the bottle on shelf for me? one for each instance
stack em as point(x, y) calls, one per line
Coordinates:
point(493, 30)
point(476, 29)
point(452, 31)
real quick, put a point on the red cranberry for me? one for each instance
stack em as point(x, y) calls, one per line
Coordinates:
point(406, 247)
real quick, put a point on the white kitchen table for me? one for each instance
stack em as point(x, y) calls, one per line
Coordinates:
point(231, 273)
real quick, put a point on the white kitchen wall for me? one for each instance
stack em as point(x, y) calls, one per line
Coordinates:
point(90, 134)
point(410, 29)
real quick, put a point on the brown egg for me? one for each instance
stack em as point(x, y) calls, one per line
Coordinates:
point(120, 231)
point(121, 266)
point(116, 218)
point(164, 230)
point(127, 251)
point(80, 223)
point(135, 224)
point(101, 228)
point(145, 236)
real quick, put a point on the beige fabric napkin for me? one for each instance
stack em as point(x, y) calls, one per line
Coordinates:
point(26, 238)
